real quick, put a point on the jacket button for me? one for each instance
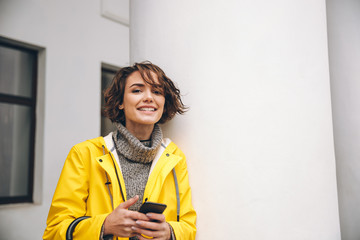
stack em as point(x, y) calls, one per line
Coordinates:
point(167, 155)
point(100, 160)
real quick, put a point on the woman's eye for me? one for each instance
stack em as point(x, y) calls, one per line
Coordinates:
point(135, 91)
point(158, 92)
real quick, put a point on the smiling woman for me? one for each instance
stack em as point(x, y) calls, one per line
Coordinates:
point(98, 192)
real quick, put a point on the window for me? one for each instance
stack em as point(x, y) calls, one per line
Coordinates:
point(18, 81)
point(107, 74)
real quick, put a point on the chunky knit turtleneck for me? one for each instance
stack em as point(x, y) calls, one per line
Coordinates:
point(135, 159)
point(131, 147)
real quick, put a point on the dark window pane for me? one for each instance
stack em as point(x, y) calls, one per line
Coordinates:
point(16, 72)
point(15, 130)
point(106, 77)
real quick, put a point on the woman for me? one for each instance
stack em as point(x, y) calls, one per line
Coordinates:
point(105, 180)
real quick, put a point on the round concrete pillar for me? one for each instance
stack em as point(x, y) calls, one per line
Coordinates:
point(258, 135)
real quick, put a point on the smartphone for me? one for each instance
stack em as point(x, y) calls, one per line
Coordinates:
point(152, 207)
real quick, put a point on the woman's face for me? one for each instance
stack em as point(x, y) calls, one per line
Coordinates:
point(143, 104)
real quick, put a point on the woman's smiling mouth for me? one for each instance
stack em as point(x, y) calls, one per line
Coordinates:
point(147, 109)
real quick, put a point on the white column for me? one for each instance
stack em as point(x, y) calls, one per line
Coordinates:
point(344, 52)
point(258, 136)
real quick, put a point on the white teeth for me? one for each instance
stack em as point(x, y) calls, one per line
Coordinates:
point(147, 109)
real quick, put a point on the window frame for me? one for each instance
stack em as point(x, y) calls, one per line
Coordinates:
point(29, 102)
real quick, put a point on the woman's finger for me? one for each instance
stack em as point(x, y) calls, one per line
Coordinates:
point(156, 216)
point(152, 226)
point(128, 203)
point(146, 232)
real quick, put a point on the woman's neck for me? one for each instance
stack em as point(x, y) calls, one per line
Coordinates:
point(140, 131)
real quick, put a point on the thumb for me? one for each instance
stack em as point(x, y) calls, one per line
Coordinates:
point(128, 203)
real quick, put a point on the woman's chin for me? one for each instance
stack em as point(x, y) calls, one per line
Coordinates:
point(146, 122)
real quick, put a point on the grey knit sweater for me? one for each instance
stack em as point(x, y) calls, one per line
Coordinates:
point(135, 160)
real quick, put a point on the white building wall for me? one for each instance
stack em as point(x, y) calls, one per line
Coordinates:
point(77, 39)
point(344, 52)
point(258, 136)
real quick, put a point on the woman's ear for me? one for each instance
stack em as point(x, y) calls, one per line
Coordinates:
point(121, 107)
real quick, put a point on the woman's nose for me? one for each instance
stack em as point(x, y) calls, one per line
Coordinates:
point(148, 97)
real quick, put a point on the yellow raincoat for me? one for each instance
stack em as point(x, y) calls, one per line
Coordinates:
point(81, 190)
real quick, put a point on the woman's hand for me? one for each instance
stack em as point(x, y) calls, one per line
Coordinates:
point(120, 221)
point(157, 228)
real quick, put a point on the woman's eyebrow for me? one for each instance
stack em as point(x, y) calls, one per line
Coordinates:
point(137, 85)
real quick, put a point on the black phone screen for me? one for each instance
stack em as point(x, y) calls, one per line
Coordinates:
point(147, 207)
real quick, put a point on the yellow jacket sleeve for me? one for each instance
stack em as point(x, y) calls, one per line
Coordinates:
point(69, 202)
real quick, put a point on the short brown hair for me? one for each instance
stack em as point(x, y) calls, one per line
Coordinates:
point(114, 94)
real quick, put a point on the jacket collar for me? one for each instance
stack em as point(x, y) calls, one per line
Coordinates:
point(110, 145)
point(161, 166)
